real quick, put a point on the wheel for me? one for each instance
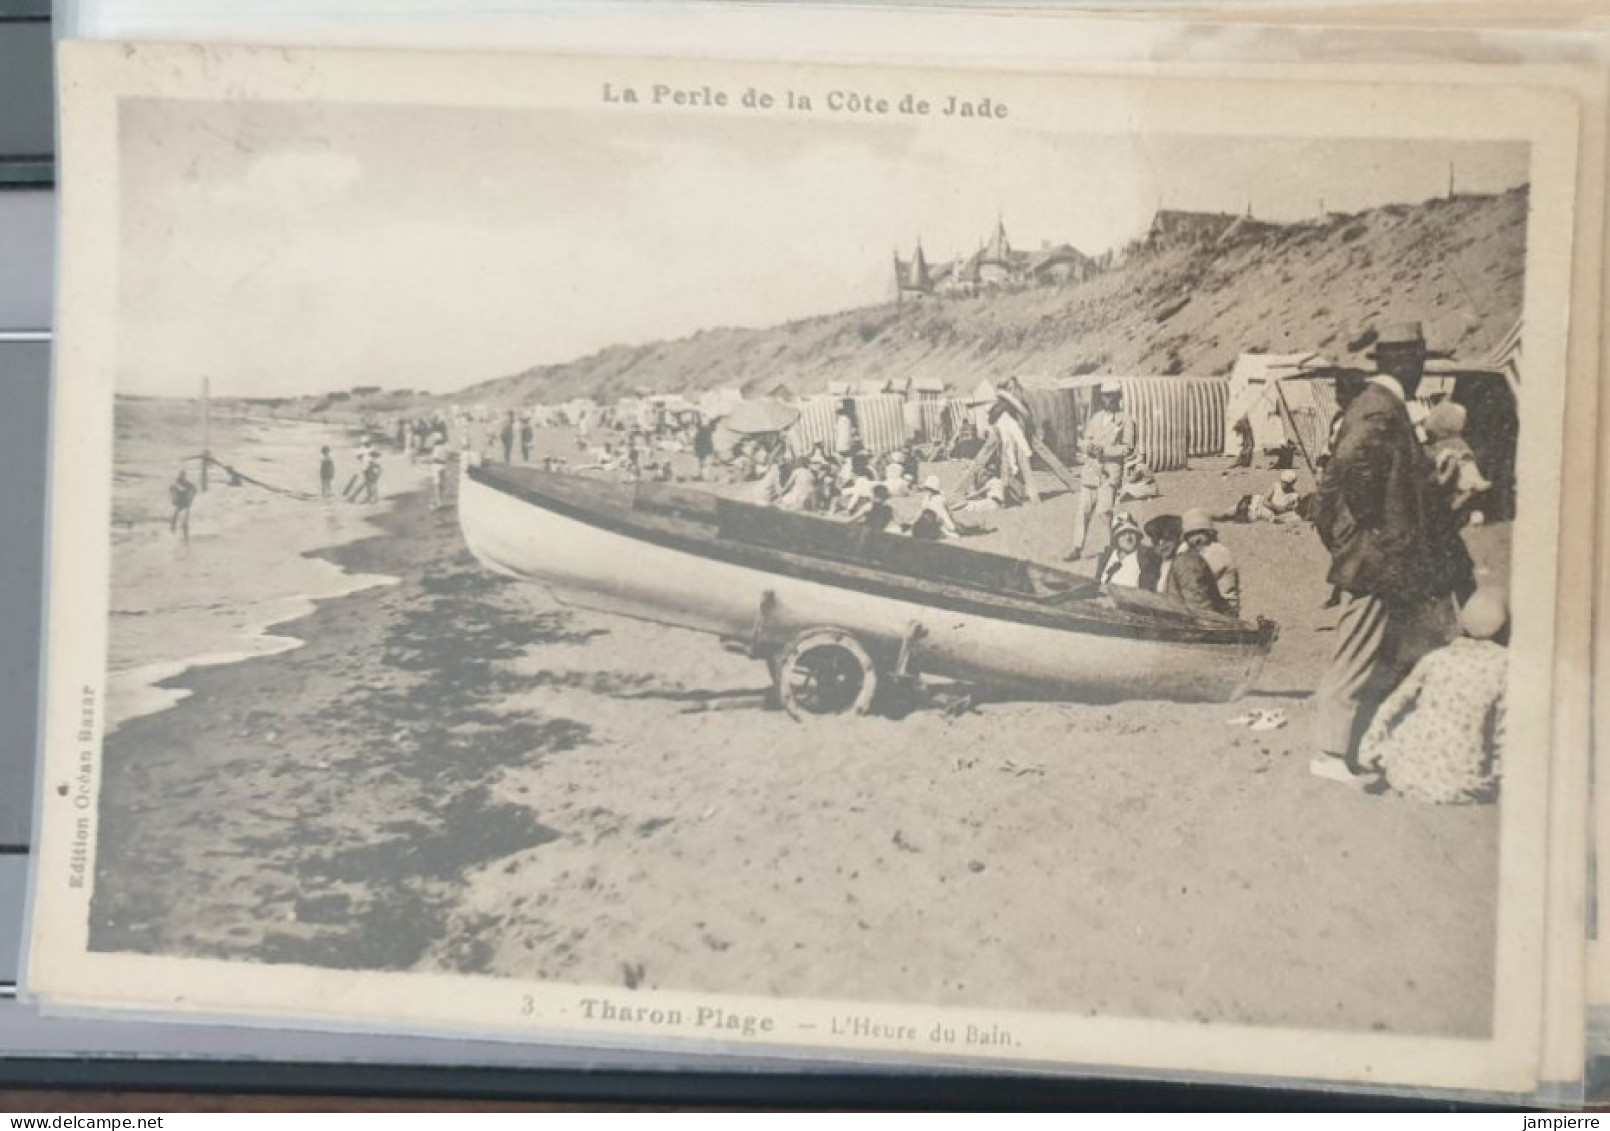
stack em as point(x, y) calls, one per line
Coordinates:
point(825, 671)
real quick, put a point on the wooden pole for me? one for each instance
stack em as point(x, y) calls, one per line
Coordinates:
point(1289, 419)
point(206, 428)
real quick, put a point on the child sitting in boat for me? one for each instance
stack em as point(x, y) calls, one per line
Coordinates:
point(1203, 537)
point(1165, 532)
point(1439, 736)
point(1193, 579)
point(1127, 560)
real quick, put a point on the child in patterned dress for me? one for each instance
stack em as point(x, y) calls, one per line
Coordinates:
point(1439, 736)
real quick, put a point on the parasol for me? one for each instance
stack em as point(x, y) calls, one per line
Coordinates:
point(752, 418)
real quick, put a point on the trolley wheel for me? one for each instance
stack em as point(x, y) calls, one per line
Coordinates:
point(825, 671)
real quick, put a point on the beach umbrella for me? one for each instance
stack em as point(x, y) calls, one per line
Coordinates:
point(752, 418)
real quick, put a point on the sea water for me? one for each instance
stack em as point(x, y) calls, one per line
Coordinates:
point(177, 604)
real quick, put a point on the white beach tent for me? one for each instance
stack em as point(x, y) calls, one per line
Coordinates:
point(1253, 395)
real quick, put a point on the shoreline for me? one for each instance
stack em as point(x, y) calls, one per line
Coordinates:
point(179, 605)
point(456, 774)
point(231, 730)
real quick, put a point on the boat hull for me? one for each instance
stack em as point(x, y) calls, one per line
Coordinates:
point(594, 565)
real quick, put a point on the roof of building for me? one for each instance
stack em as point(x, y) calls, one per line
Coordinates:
point(999, 248)
point(1179, 222)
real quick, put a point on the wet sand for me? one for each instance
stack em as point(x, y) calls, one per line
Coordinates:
point(178, 603)
point(456, 773)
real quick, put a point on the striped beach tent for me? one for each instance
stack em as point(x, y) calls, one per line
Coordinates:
point(881, 418)
point(883, 422)
point(1176, 418)
point(815, 423)
point(935, 420)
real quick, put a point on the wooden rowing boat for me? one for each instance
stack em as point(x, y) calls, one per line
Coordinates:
point(777, 581)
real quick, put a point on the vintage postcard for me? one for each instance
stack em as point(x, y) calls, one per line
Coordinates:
point(1029, 570)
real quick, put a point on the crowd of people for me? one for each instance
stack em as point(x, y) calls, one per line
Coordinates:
point(1409, 701)
point(859, 487)
point(1413, 698)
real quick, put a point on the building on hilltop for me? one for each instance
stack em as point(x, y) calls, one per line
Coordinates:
point(1171, 226)
point(912, 278)
point(996, 265)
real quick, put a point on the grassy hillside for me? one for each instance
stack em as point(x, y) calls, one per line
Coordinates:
point(1457, 265)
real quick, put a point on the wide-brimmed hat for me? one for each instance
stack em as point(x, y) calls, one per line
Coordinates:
point(1399, 336)
point(1288, 477)
point(1123, 523)
point(932, 484)
point(1196, 521)
point(1164, 528)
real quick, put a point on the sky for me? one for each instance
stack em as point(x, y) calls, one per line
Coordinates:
point(283, 249)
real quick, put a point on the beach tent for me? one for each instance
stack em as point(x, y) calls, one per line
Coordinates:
point(937, 421)
point(1488, 388)
point(1176, 418)
point(815, 423)
point(1058, 417)
point(881, 419)
point(916, 427)
point(927, 388)
point(1305, 404)
point(1252, 389)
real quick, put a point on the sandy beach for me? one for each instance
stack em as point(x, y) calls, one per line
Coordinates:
point(454, 772)
point(210, 599)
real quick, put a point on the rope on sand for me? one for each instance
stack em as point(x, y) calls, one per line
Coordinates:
point(236, 474)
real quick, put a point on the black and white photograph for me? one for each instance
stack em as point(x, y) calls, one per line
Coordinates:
point(1021, 568)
